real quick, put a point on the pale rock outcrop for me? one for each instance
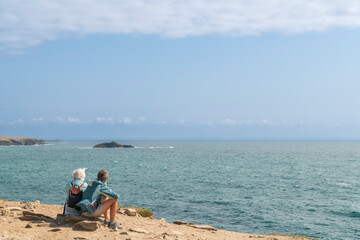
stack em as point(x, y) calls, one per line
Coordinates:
point(87, 225)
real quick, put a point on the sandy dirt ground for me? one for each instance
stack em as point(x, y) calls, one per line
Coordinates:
point(39, 221)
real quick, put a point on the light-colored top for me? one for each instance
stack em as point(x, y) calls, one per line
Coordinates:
point(75, 182)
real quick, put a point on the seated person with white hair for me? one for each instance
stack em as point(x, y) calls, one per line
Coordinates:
point(73, 192)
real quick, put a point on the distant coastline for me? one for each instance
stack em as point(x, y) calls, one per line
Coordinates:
point(15, 141)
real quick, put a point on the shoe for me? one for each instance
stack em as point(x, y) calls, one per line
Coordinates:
point(114, 225)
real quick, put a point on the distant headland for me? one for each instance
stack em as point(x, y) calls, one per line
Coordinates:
point(13, 141)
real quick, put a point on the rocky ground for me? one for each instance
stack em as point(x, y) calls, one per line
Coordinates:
point(33, 220)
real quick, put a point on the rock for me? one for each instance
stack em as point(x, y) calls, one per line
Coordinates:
point(205, 227)
point(42, 224)
point(128, 146)
point(55, 230)
point(5, 212)
point(60, 219)
point(28, 226)
point(4, 233)
point(28, 206)
point(124, 233)
point(112, 145)
point(138, 230)
point(72, 219)
point(37, 202)
point(130, 212)
point(80, 238)
point(15, 209)
point(87, 225)
point(30, 216)
point(183, 223)
point(10, 141)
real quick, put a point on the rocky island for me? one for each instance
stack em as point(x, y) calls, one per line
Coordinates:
point(112, 145)
point(13, 141)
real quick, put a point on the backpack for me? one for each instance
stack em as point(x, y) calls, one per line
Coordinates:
point(75, 196)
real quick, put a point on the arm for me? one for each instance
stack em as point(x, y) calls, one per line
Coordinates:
point(67, 189)
point(107, 192)
point(103, 199)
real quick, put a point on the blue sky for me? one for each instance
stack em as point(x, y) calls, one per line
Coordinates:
point(217, 71)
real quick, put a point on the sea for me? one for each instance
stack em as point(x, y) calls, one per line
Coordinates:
point(296, 187)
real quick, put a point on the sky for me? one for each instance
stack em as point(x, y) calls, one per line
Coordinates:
point(208, 70)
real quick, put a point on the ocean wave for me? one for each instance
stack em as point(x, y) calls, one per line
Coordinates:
point(342, 184)
point(84, 147)
point(156, 147)
point(352, 214)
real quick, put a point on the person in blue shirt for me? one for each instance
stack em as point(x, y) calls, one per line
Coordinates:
point(78, 182)
point(98, 198)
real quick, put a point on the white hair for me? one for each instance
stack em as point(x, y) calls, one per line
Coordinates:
point(79, 174)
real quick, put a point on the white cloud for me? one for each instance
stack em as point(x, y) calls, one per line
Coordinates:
point(228, 122)
point(27, 23)
point(20, 120)
point(140, 120)
point(125, 120)
point(105, 120)
point(38, 119)
point(181, 121)
point(73, 120)
point(208, 123)
point(67, 120)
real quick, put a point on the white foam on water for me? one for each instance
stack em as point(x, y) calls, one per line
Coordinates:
point(84, 147)
point(342, 184)
point(159, 147)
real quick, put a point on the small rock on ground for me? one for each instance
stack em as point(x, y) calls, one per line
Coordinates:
point(138, 230)
point(87, 225)
point(205, 227)
point(183, 223)
point(55, 230)
point(28, 226)
point(130, 212)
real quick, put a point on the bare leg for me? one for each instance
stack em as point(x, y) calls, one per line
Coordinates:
point(113, 211)
point(112, 205)
point(106, 215)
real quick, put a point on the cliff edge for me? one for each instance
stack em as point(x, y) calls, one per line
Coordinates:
point(32, 220)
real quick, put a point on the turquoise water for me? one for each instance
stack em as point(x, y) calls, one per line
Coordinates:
point(301, 188)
